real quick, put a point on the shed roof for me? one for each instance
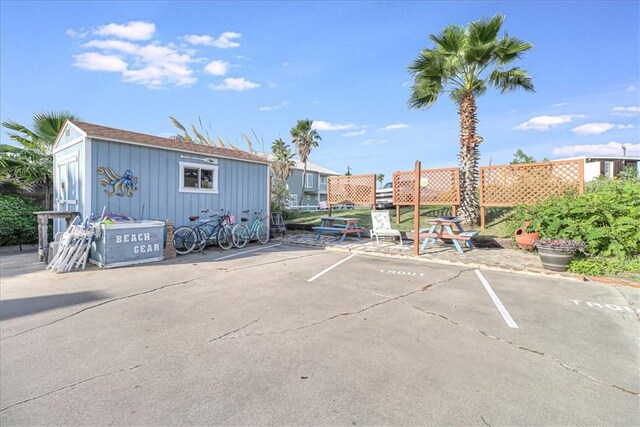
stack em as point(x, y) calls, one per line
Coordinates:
point(128, 137)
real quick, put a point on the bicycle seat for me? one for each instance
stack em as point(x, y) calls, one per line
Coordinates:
point(244, 219)
point(194, 218)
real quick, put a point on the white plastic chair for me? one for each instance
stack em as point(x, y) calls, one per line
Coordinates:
point(382, 226)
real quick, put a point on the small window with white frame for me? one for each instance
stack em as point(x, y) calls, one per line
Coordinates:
point(308, 181)
point(198, 178)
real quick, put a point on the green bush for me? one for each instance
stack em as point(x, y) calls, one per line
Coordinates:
point(599, 266)
point(19, 226)
point(606, 218)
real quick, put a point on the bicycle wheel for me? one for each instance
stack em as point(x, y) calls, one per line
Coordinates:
point(262, 233)
point(240, 236)
point(184, 240)
point(225, 238)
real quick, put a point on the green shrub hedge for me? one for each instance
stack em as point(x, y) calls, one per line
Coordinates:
point(19, 226)
point(606, 217)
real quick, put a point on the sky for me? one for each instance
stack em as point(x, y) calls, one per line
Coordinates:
point(257, 67)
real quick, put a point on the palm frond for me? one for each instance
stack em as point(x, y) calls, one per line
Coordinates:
point(485, 30)
point(512, 79)
point(48, 124)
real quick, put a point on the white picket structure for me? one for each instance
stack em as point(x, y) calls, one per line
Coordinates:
point(73, 248)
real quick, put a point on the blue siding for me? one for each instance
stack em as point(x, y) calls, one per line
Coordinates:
point(241, 185)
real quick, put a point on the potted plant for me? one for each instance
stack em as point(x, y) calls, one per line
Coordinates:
point(556, 254)
point(525, 239)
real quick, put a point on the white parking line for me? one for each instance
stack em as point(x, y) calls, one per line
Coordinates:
point(330, 268)
point(503, 311)
point(246, 252)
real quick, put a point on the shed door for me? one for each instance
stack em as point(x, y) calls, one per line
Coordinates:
point(67, 185)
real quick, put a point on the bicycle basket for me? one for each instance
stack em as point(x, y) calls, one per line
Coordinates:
point(230, 219)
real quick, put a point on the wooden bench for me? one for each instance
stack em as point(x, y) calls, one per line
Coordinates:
point(337, 229)
point(465, 235)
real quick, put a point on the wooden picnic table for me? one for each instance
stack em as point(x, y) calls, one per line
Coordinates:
point(338, 225)
point(443, 228)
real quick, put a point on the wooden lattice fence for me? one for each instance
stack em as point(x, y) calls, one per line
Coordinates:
point(524, 184)
point(351, 189)
point(441, 187)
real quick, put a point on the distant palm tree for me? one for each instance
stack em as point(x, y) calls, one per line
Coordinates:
point(30, 162)
point(283, 164)
point(282, 167)
point(380, 178)
point(464, 63)
point(305, 138)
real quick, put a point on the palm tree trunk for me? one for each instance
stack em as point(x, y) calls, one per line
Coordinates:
point(304, 177)
point(469, 156)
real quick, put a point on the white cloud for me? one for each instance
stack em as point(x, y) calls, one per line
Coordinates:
point(133, 30)
point(224, 41)
point(326, 126)
point(274, 107)
point(114, 45)
point(76, 34)
point(626, 111)
point(286, 64)
point(152, 65)
point(632, 88)
point(217, 68)
point(238, 84)
point(406, 84)
point(610, 149)
point(560, 104)
point(546, 122)
point(597, 128)
point(374, 141)
point(355, 133)
point(93, 61)
point(395, 126)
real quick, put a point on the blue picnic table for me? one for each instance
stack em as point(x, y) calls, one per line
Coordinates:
point(442, 228)
point(338, 225)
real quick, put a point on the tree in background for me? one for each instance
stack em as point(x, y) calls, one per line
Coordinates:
point(30, 163)
point(305, 138)
point(380, 178)
point(521, 157)
point(282, 167)
point(464, 63)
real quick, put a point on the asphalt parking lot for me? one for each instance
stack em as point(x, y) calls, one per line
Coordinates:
point(283, 335)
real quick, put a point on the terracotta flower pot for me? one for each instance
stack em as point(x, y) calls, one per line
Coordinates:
point(526, 240)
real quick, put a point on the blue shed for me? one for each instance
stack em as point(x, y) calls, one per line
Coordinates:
point(149, 177)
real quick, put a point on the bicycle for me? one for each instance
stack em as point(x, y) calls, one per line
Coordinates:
point(241, 234)
point(186, 238)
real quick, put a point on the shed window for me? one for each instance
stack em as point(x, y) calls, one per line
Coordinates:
point(198, 178)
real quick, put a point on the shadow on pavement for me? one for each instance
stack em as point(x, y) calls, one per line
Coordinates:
point(25, 306)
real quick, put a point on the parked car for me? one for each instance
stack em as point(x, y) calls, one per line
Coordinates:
point(384, 196)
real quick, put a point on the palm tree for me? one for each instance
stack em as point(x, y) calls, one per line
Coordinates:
point(284, 164)
point(305, 138)
point(282, 168)
point(29, 162)
point(464, 63)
